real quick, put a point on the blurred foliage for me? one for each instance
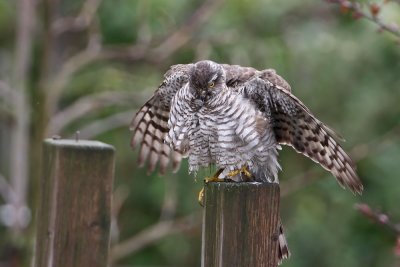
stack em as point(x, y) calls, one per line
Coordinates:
point(346, 72)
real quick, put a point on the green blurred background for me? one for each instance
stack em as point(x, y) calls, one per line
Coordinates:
point(89, 65)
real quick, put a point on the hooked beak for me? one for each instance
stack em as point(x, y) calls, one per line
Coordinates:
point(203, 95)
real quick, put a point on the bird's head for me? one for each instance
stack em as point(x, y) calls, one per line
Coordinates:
point(207, 79)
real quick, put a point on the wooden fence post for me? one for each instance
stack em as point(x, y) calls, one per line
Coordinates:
point(240, 225)
point(73, 220)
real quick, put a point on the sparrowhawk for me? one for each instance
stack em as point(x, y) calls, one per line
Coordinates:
point(234, 118)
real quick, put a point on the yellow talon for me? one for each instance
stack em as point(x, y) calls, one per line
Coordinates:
point(246, 172)
point(243, 170)
point(214, 178)
point(233, 173)
point(201, 197)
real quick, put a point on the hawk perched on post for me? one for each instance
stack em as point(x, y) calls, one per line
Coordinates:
point(235, 118)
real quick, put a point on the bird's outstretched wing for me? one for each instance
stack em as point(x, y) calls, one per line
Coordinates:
point(294, 125)
point(150, 124)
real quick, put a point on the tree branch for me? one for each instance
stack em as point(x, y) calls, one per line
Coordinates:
point(89, 104)
point(20, 130)
point(181, 36)
point(109, 123)
point(171, 43)
point(358, 12)
point(133, 52)
point(378, 217)
point(154, 233)
point(87, 56)
point(383, 220)
point(86, 20)
point(80, 22)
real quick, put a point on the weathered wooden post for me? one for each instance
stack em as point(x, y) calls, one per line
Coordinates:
point(240, 225)
point(73, 226)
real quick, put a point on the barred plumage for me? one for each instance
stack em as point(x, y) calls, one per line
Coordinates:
point(233, 117)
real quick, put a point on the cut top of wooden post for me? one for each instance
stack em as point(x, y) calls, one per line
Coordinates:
point(75, 208)
point(241, 224)
point(78, 144)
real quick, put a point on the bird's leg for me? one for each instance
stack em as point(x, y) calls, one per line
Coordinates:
point(214, 178)
point(244, 170)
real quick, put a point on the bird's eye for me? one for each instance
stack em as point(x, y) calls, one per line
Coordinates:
point(211, 84)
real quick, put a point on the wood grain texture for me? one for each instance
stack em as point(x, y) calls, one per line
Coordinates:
point(73, 227)
point(240, 224)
